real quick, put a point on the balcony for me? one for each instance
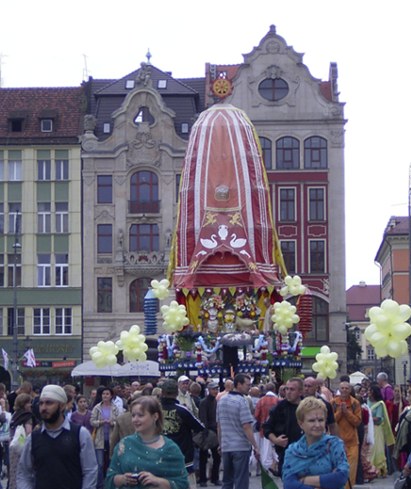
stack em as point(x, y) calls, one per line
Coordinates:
point(152, 207)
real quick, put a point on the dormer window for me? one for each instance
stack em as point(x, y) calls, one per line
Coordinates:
point(130, 84)
point(16, 120)
point(162, 84)
point(46, 125)
point(16, 125)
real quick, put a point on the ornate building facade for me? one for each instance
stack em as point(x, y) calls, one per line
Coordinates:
point(133, 149)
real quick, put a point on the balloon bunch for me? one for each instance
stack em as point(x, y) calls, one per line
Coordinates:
point(174, 317)
point(326, 365)
point(284, 316)
point(160, 289)
point(293, 286)
point(133, 344)
point(388, 330)
point(104, 354)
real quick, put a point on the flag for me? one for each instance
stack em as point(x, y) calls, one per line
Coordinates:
point(30, 358)
point(5, 359)
point(267, 482)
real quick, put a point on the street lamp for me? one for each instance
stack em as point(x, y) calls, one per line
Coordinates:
point(16, 247)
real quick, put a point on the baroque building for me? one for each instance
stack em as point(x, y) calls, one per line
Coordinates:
point(133, 147)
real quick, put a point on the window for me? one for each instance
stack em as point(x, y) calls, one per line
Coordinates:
point(288, 252)
point(61, 269)
point(319, 332)
point(178, 179)
point(46, 125)
point(43, 170)
point(43, 270)
point(20, 321)
point(16, 125)
point(104, 294)
point(144, 115)
point(317, 256)
point(316, 204)
point(144, 193)
point(144, 237)
point(287, 204)
point(14, 270)
point(315, 153)
point(184, 128)
point(62, 217)
point(63, 320)
point(62, 169)
point(1, 270)
point(1, 166)
point(104, 189)
point(106, 128)
point(287, 154)
point(266, 148)
point(273, 89)
point(104, 238)
point(41, 321)
point(14, 218)
point(162, 84)
point(43, 217)
point(1, 218)
point(14, 170)
point(370, 353)
point(130, 84)
point(138, 290)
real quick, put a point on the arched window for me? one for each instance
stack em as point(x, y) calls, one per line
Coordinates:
point(144, 237)
point(137, 290)
point(315, 153)
point(144, 115)
point(144, 193)
point(287, 154)
point(266, 148)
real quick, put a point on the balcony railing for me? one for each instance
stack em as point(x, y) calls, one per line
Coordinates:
point(152, 207)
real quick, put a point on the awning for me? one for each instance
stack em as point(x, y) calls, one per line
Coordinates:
point(148, 368)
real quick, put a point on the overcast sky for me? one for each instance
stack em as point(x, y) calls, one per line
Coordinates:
point(52, 43)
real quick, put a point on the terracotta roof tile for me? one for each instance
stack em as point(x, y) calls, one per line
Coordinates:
point(66, 105)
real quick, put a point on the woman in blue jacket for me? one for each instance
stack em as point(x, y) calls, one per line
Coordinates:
point(316, 459)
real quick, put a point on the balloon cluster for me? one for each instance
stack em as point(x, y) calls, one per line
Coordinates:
point(326, 365)
point(133, 344)
point(388, 330)
point(104, 354)
point(293, 286)
point(174, 317)
point(160, 289)
point(284, 316)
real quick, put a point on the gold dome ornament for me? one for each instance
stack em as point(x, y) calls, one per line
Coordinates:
point(222, 87)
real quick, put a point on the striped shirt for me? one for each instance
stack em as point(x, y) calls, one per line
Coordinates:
point(233, 411)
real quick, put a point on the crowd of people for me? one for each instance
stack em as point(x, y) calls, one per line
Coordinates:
point(125, 435)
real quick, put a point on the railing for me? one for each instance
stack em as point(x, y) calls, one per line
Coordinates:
point(152, 207)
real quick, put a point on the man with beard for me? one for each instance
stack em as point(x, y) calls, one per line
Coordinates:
point(58, 453)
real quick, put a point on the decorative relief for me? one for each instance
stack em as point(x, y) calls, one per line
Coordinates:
point(287, 231)
point(120, 179)
point(89, 142)
point(317, 230)
point(337, 138)
point(143, 148)
point(144, 258)
point(273, 47)
point(274, 72)
point(89, 179)
point(104, 215)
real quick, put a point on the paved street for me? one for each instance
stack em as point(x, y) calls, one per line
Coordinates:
point(387, 483)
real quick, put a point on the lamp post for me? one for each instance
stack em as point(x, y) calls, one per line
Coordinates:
point(16, 247)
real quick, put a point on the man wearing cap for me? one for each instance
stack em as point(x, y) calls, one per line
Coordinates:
point(179, 424)
point(184, 396)
point(59, 454)
point(208, 416)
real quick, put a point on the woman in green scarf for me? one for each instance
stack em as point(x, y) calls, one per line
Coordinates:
point(383, 435)
point(147, 458)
